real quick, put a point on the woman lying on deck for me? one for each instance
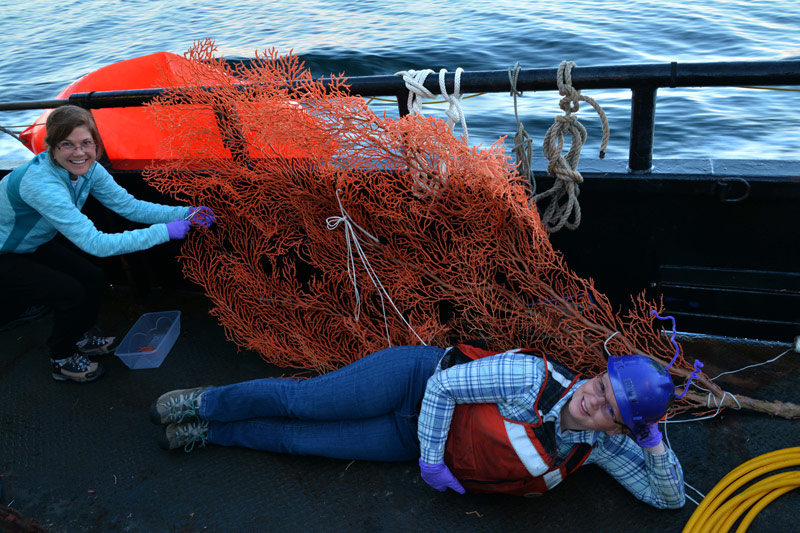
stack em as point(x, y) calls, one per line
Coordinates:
point(510, 422)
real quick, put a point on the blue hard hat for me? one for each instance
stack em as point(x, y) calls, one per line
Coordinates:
point(643, 390)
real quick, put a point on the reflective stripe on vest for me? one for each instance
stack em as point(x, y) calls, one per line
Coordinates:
point(526, 451)
point(553, 478)
point(518, 435)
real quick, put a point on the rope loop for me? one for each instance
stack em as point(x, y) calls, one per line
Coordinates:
point(415, 80)
point(454, 113)
point(570, 103)
point(563, 209)
point(415, 83)
point(523, 144)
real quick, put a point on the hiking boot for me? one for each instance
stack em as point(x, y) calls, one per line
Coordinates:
point(174, 406)
point(184, 435)
point(76, 368)
point(95, 345)
point(31, 313)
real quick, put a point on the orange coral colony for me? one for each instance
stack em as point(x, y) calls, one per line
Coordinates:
point(341, 232)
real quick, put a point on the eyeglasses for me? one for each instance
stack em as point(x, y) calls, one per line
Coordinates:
point(609, 409)
point(67, 146)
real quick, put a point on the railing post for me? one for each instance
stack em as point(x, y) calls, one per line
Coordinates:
point(402, 102)
point(643, 121)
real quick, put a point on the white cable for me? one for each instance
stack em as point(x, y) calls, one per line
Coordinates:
point(752, 366)
point(353, 243)
point(695, 502)
point(669, 446)
point(694, 489)
point(605, 344)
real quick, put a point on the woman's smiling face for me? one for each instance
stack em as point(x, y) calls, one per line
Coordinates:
point(593, 406)
point(77, 152)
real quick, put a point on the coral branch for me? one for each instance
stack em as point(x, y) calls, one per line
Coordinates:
point(775, 408)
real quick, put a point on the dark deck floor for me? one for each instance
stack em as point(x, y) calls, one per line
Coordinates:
point(84, 457)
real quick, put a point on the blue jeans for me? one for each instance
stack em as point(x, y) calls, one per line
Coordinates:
point(367, 410)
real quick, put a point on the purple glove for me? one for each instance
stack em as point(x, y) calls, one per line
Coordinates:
point(649, 436)
point(439, 477)
point(178, 228)
point(202, 216)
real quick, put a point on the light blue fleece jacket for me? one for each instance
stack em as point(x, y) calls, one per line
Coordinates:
point(38, 200)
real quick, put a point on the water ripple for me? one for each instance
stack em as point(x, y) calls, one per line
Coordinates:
point(381, 37)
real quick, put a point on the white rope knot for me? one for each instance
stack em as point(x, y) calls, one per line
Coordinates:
point(353, 243)
point(351, 238)
point(415, 80)
point(415, 83)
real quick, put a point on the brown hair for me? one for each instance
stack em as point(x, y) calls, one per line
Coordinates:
point(64, 119)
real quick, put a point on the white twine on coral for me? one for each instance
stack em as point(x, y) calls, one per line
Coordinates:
point(718, 404)
point(353, 242)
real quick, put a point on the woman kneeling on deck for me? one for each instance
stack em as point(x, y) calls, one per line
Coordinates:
point(44, 197)
point(510, 422)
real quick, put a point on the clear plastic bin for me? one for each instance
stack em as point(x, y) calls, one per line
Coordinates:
point(150, 339)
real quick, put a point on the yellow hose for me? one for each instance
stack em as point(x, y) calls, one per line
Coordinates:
point(714, 514)
point(757, 508)
point(727, 514)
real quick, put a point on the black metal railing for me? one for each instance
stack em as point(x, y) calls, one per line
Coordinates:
point(643, 81)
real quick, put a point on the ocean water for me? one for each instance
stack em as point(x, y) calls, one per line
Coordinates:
point(46, 45)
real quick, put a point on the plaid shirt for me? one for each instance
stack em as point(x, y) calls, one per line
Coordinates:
point(512, 381)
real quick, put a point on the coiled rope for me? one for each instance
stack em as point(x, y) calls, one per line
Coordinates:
point(717, 515)
point(561, 212)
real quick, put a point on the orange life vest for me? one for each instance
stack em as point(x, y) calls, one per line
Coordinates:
point(490, 453)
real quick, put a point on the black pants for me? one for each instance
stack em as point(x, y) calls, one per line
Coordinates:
point(62, 277)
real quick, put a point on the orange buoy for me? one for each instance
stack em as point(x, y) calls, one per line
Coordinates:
point(131, 136)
